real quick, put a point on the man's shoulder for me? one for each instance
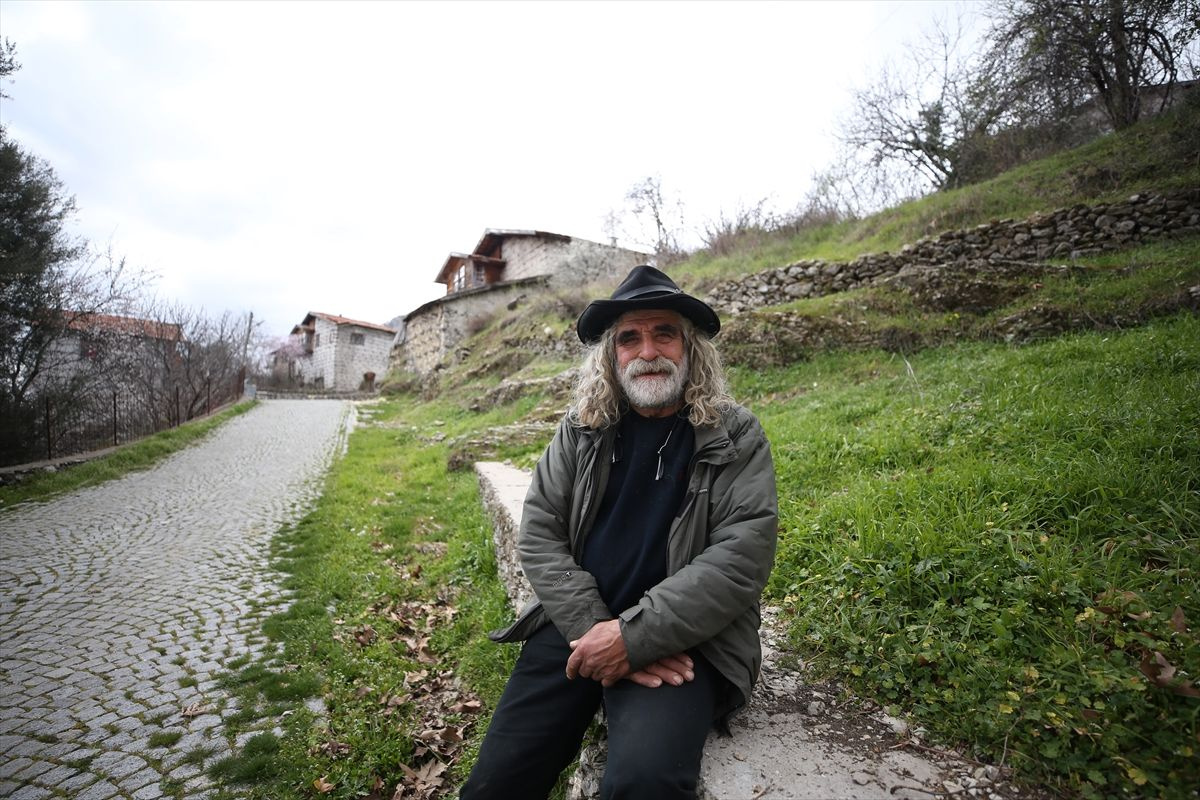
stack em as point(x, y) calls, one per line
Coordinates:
point(740, 422)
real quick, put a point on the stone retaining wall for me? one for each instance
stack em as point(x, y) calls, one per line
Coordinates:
point(436, 328)
point(1064, 233)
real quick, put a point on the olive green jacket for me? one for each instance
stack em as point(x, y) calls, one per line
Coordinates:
point(720, 550)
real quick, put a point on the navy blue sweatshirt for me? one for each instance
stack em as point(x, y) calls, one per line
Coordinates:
point(626, 550)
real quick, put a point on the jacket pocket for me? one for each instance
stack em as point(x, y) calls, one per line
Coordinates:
point(532, 618)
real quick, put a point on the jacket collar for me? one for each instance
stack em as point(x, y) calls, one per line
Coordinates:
point(713, 442)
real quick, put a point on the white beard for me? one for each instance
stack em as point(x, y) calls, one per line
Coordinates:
point(660, 391)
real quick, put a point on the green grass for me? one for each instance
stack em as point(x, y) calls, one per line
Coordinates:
point(993, 539)
point(132, 457)
point(197, 756)
point(257, 761)
point(948, 520)
point(347, 563)
point(997, 539)
point(1113, 291)
point(1159, 155)
point(164, 738)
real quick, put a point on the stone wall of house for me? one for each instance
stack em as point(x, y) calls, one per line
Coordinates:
point(571, 263)
point(436, 328)
point(321, 365)
point(353, 361)
point(1065, 233)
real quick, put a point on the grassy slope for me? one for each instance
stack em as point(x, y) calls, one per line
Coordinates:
point(990, 538)
point(1162, 154)
point(995, 538)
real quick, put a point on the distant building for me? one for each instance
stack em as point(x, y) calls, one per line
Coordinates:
point(503, 265)
point(1091, 119)
point(114, 346)
point(335, 353)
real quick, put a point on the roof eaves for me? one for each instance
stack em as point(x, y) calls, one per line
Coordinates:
point(491, 234)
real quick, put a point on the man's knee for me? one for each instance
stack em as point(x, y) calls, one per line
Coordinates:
point(632, 776)
point(652, 766)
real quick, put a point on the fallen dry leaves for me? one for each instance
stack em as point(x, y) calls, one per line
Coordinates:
point(442, 710)
point(1162, 673)
point(196, 709)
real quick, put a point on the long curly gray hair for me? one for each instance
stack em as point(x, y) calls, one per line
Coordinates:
point(600, 402)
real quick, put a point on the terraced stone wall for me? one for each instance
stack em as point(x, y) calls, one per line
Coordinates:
point(1065, 233)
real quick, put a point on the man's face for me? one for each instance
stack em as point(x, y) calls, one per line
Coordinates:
point(651, 363)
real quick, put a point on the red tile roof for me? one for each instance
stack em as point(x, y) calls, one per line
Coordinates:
point(336, 320)
point(127, 326)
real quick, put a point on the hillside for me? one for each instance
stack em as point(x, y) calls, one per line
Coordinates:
point(1160, 155)
point(990, 511)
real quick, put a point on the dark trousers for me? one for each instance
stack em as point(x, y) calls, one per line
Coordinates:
point(655, 736)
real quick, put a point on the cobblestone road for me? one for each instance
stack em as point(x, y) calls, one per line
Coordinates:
point(120, 605)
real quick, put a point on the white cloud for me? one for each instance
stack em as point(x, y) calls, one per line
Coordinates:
point(289, 157)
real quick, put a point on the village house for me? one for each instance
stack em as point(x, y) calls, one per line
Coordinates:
point(504, 265)
point(333, 353)
point(113, 347)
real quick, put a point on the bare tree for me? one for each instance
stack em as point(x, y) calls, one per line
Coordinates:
point(745, 225)
point(649, 218)
point(926, 111)
point(190, 362)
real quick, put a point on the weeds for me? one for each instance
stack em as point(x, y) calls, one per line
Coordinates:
point(164, 738)
point(256, 762)
point(1009, 555)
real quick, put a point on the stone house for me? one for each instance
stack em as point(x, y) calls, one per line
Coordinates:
point(334, 353)
point(504, 265)
point(111, 347)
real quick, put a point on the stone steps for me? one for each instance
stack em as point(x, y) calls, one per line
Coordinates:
point(795, 739)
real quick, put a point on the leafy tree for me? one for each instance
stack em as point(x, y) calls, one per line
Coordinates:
point(8, 65)
point(48, 279)
point(1114, 49)
point(36, 257)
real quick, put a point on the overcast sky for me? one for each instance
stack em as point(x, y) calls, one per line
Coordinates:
point(286, 157)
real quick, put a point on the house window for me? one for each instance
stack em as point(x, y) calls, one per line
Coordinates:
point(358, 338)
point(468, 276)
point(317, 340)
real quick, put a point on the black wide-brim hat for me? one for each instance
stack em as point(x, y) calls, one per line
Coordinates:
point(644, 288)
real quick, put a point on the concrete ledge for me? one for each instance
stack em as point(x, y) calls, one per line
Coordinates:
point(502, 489)
point(794, 740)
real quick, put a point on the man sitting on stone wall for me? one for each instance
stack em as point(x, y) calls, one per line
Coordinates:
point(648, 534)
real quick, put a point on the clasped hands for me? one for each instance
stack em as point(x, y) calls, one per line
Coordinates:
point(600, 654)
